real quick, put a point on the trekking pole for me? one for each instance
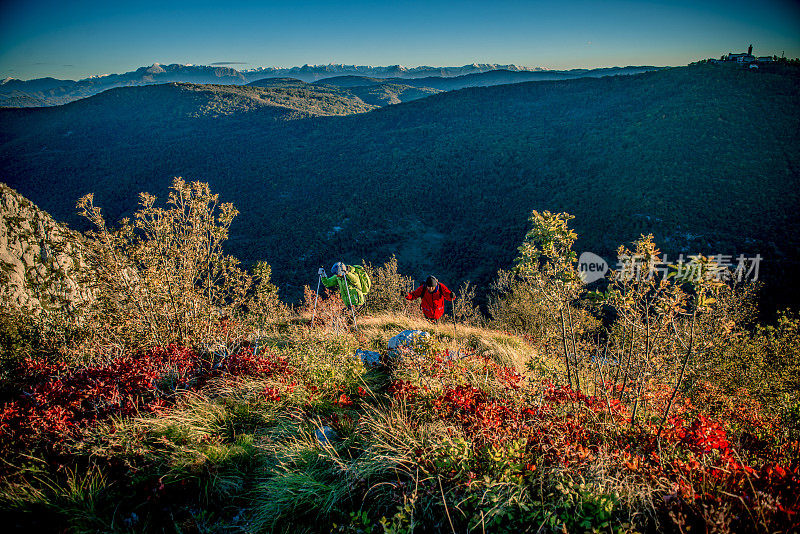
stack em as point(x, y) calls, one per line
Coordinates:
point(350, 301)
point(316, 297)
point(405, 304)
point(455, 335)
point(408, 303)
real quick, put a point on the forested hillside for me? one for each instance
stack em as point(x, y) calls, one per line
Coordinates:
point(705, 157)
point(371, 91)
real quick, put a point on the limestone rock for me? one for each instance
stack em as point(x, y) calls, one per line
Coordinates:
point(41, 261)
point(406, 339)
point(369, 358)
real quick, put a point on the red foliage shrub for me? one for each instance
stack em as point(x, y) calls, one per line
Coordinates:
point(61, 401)
point(344, 400)
point(272, 394)
point(693, 451)
point(486, 419)
point(246, 363)
point(400, 389)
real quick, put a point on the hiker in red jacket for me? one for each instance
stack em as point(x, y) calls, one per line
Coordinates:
point(433, 295)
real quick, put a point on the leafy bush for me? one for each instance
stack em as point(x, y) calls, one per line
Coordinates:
point(514, 306)
point(264, 304)
point(61, 401)
point(46, 336)
point(388, 286)
point(325, 309)
point(164, 277)
point(464, 308)
point(16, 340)
point(758, 370)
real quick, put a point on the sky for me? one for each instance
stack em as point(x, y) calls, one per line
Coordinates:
point(75, 39)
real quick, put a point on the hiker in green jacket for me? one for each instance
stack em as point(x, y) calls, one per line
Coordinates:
point(348, 280)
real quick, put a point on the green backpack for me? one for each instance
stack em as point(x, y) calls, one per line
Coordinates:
point(363, 277)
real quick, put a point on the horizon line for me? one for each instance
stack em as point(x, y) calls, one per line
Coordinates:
point(211, 65)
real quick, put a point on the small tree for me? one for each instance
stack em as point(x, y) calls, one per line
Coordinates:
point(547, 265)
point(164, 277)
point(658, 329)
point(647, 305)
point(514, 306)
point(705, 287)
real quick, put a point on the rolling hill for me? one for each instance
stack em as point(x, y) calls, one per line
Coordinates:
point(485, 79)
point(704, 157)
point(373, 94)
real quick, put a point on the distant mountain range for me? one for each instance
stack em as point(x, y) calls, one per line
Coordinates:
point(310, 73)
point(52, 92)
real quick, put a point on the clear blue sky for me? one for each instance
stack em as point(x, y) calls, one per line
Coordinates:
point(75, 39)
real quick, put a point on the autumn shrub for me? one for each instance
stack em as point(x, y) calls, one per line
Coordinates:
point(263, 304)
point(325, 310)
point(465, 311)
point(545, 289)
point(587, 438)
point(514, 306)
point(679, 361)
point(18, 337)
point(662, 326)
point(61, 401)
point(164, 277)
point(760, 367)
point(388, 287)
point(687, 332)
point(329, 365)
point(46, 336)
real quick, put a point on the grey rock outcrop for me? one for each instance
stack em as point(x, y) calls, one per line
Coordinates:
point(406, 339)
point(40, 261)
point(369, 358)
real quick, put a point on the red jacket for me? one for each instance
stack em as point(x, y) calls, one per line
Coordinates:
point(432, 303)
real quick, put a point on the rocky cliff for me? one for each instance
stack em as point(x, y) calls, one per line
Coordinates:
point(40, 260)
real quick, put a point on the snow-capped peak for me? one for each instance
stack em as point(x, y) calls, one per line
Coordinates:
point(155, 69)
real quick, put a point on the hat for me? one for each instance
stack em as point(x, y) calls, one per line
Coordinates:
point(338, 268)
point(431, 282)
